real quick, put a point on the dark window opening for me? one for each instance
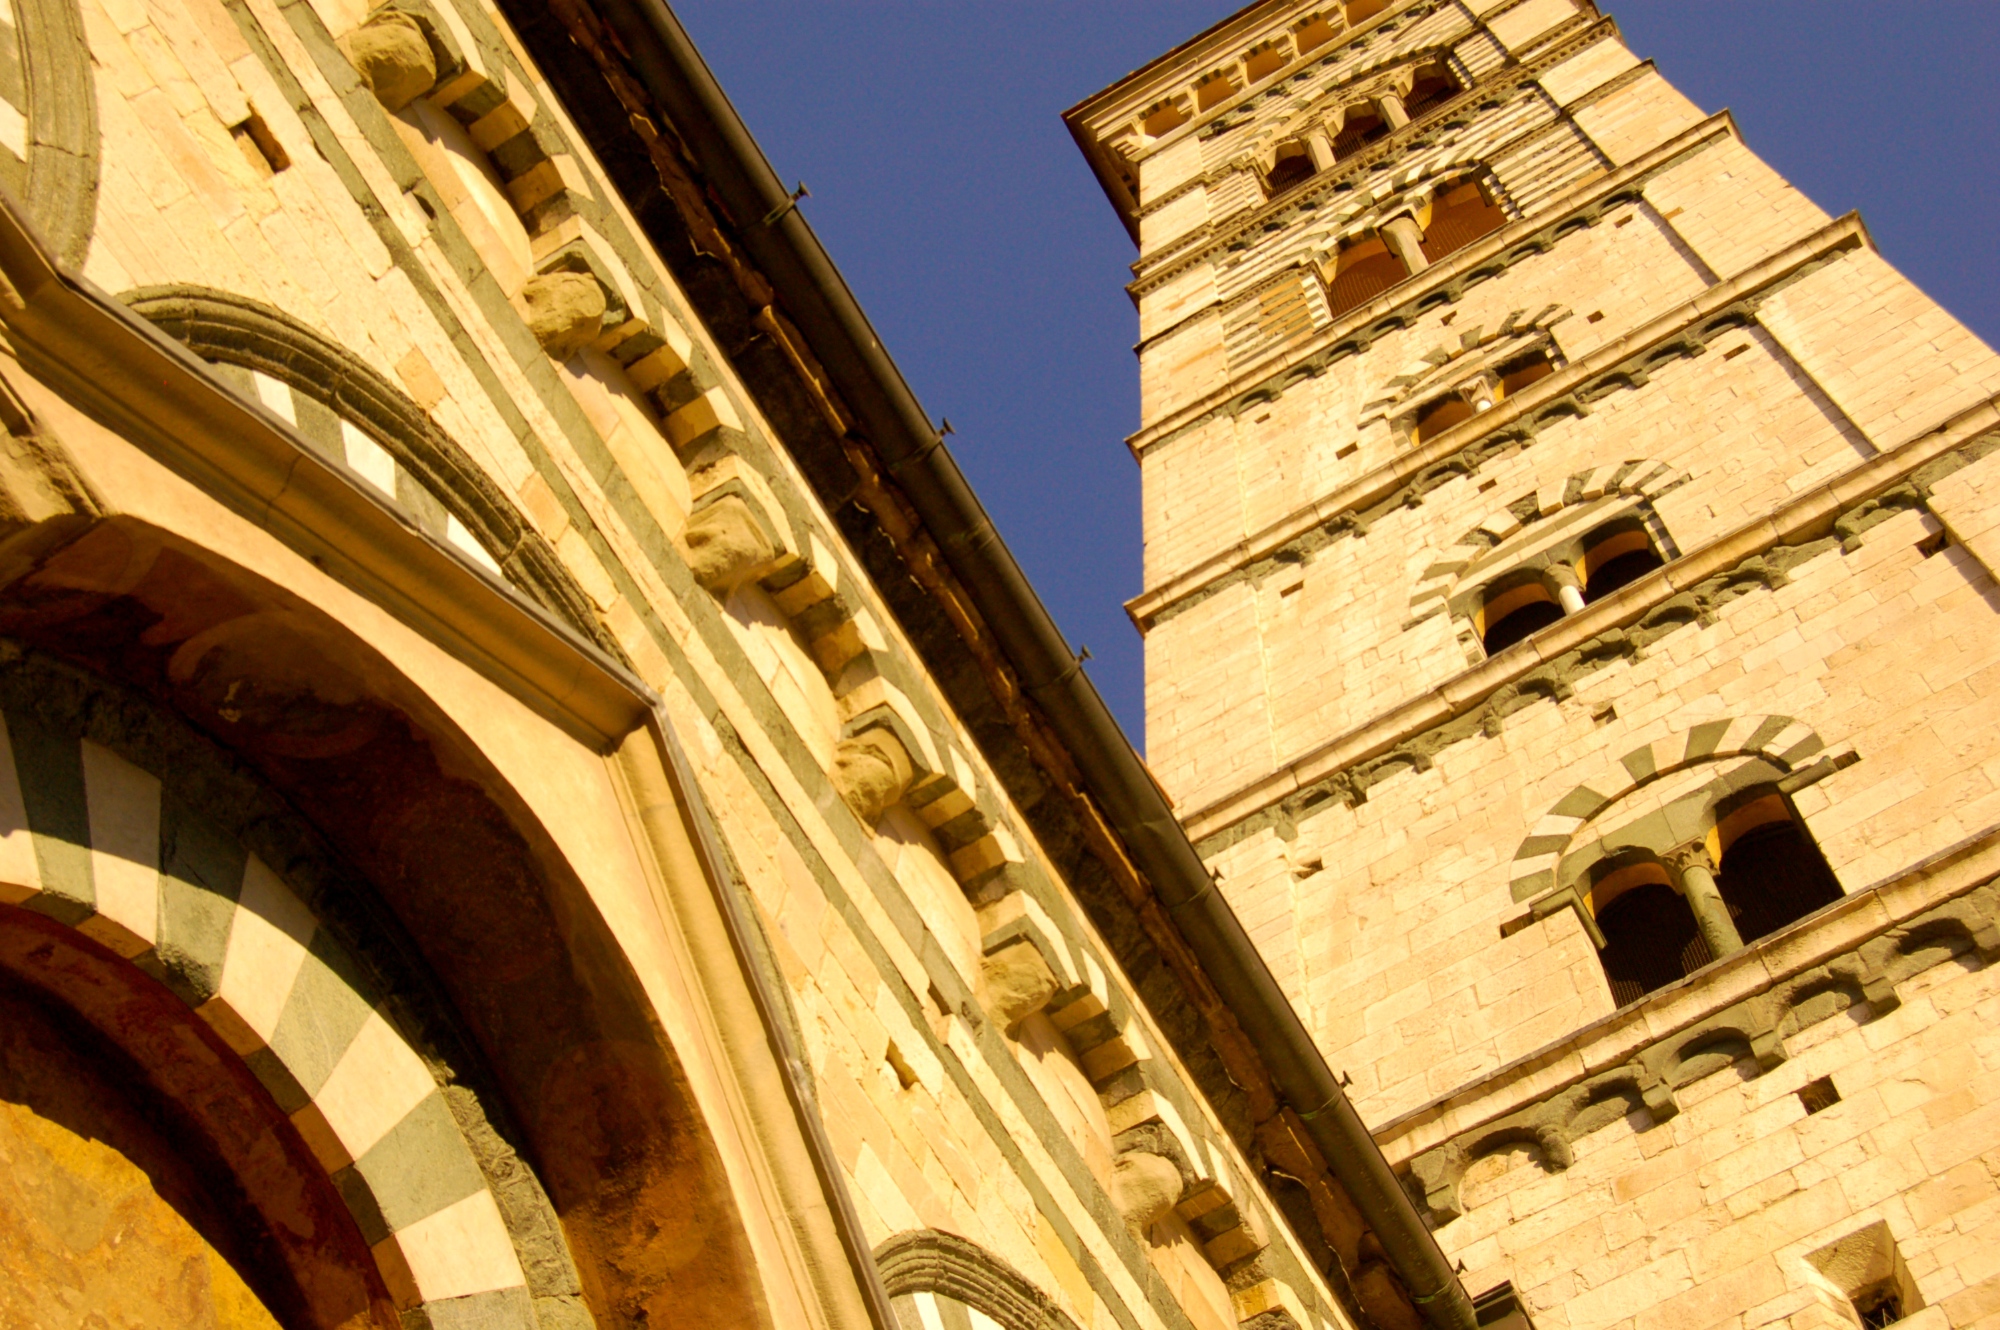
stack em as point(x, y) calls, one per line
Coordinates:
point(1819, 1095)
point(1650, 941)
point(260, 146)
point(1294, 166)
point(1518, 374)
point(1459, 216)
point(1362, 127)
point(1773, 875)
point(1433, 86)
point(1441, 415)
point(1616, 555)
point(1363, 271)
point(1885, 1309)
point(1516, 625)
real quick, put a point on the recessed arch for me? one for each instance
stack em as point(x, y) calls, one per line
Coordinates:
point(1779, 740)
point(943, 1267)
point(229, 329)
point(60, 141)
point(469, 881)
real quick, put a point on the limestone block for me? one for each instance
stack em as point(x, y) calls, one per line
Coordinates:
point(564, 310)
point(393, 57)
point(1144, 1186)
point(870, 772)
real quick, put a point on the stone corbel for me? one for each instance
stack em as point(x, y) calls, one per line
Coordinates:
point(393, 56)
point(1025, 964)
point(871, 769)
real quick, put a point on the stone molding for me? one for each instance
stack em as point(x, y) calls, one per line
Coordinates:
point(1849, 956)
point(233, 329)
point(1689, 590)
point(63, 145)
point(947, 1266)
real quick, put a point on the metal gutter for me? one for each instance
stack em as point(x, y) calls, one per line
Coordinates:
point(816, 298)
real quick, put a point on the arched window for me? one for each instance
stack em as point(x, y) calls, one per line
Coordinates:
point(1616, 555)
point(1772, 874)
point(1434, 85)
point(1363, 125)
point(1459, 216)
point(1294, 165)
point(1440, 415)
point(1650, 936)
point(1515, 611)
point(1365, 269)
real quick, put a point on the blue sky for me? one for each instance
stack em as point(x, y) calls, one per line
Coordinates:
point(945, 186)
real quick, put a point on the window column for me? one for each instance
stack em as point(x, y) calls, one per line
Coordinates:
point(1406, 241)
point(1568, 591)
point(1695, 876)
point(1393, 110)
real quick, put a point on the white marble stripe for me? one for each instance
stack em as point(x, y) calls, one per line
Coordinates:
point(456, 533)
point(268, 936)
point(369, 459)
point(376, 1083)
point(20, 871)
point(124, 808)
point(461, 1250)
point(275, 395)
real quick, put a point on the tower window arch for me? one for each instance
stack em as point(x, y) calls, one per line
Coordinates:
point(1364, 269)
point(1651, 937)
point(1515, 610)
point(1433, 86)
point(1771, 871)
point(1292, 164)
point(1459, 215)
point(1363, 125)
point(1616, 555)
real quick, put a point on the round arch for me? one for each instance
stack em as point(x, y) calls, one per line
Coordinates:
point(966, 1288)
point(480, 932)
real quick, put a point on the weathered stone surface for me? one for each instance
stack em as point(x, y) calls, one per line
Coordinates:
point(393, 57)
point(1144, 1186)
point(870, 771)
point(1015, 982)
point(564, 310)
point(727, 547)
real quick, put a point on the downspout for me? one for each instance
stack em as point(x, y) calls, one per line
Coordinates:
point(817, 299)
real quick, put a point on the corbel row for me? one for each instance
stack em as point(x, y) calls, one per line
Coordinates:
point(1753, 1030)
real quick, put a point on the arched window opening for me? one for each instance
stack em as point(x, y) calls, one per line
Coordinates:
point(1434, 85)
point(1518, 374)
point(1616, 556)
point(1363, 125)
point(1364, 270)
point(1459, 216)
point(1511, 615)
point(1440, 415)
point(1650, 937)
point(1772, 872)
point(1360, 11)
point(1293, 166)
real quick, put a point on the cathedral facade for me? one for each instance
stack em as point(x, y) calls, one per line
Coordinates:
point(1570, 639)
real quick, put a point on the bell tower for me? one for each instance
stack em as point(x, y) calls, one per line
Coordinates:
point(1570, 618)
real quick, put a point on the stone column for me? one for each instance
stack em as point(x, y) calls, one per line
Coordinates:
point(1321, 148)
point(1561, 579)
point(1406, 240)
point(1391, 104)
point(1696, 879)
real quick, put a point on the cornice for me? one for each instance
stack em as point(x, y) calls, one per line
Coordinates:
point(1695, 583)
point(137, 381)
point(1307, 196)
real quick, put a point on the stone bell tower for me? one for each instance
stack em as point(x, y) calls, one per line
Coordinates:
point(1571, 637)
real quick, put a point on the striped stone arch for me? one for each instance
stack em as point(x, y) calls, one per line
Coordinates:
point(140, 862)
point(1639, 477)
point(357, 418)
point(1406, 188)
point(1779, 740)
point(1452, 362)
point(939, 1281)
